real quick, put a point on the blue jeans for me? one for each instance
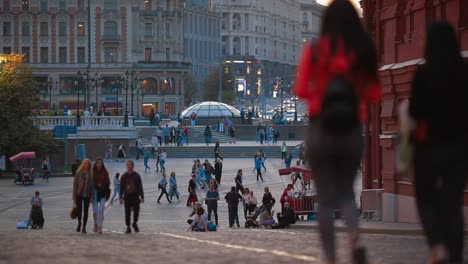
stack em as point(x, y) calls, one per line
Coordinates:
point(145, 161)
point(139, 152)
point(116, 192)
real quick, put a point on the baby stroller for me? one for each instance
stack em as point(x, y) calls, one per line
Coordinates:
point(252, 219)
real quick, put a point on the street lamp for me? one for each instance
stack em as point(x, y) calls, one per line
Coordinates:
point(294, 98)
point(135, 87)
point(124, 80)
point(279, 84)
point(51, 85)
point(97, 83)
point(86, 81)
point(76, 82)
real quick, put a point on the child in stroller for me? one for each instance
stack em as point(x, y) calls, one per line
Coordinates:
point(36, 219)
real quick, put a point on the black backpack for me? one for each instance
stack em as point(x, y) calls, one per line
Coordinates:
point(339, 112)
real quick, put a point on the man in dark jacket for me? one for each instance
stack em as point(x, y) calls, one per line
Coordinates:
point(131, 192)
point(218, 170)
point(232, 199)
point(286, 218)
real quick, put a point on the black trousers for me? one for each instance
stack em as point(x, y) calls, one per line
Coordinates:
point(160, 140)
point(163, 191)
point(218, 177)
point(233, 215)
point(213, 208)
point(128, 210)
point(82, 204)
point(283, 155)
point(259, 173)
point(166, 140)
point(217, 156)
point(440, 174)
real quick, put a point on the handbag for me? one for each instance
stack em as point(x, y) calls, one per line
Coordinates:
point(73, 212)
point(211, 227)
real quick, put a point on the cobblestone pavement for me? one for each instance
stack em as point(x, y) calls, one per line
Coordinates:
point(163, 238)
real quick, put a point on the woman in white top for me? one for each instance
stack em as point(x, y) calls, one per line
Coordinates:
point(245, 201)
point(252, 203)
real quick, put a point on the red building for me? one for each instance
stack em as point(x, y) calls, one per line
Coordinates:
point(398, 27)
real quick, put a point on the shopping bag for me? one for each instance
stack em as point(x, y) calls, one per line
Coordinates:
point(22, 224)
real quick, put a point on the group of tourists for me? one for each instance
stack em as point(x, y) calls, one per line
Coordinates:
point(170, 136)
point(267, 134)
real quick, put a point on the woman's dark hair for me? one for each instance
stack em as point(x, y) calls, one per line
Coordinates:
point(442, 49)
point(117, 175)
point(200, 210)
point(102, 162)
point(341, 21)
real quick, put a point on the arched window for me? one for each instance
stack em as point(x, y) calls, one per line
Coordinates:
point(236, 22)
point(236, 46)
point(110, 28)
point(169, 86)
point(149, 86)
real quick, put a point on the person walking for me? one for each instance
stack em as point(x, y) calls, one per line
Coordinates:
point(238, 180)
point(173, 187)
point(284, 149)
point(217, 150)
point(116, 187)
point(162, 160)
point(139, 145)
point(131, 194)
point(288, 160)
point(437, 104)
point(152, 117)
point(101, 193)
point(46, 168)
point(207, 135)
point(172, 136)
point(158, 160)
point(263, 158)
point(166, 132)
point(146, 157)
point(154, 143)
point(218, 170)
point(338, 71)
point(162, 185)
point(83, 193)
point(108, 152)
point(258, 167)
point(232, 199)
point(212, 197)
point(192, 190)
point(160, 134)
point(232, 135)
point(121, 154)
point(186, 134)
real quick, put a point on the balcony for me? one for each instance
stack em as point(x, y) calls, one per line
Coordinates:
point(110, 38)
point(148, 13)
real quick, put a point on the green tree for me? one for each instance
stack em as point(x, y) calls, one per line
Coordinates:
point(191, 89)
point(210, 89)
point(18, 99)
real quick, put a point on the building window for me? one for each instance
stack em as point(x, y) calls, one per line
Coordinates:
point(6, 5)
point(25, 29)
point(80, 5)
point(62, 29)
point(236, 46)
point(148, 54)
point(6, 29)
point(7, 50)
point(44, 29)
point(148, 29)
point(44, 55)
point(81, 29)
point(63, 5)
point(63, 55)
point(236, 22)
point(463, 18)
point(168, 30)
point(25, 5)
point(168, 54)
point(110, 28)
point(110, 5)
point(147, 5)
point(110, 55)
point(81, 55)
point(44, 5)
point(26, 52)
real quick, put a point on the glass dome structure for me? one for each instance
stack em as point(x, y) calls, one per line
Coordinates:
point(211, 110)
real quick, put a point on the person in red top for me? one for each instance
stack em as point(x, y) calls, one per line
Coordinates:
point(193, 119)
point(345, 50)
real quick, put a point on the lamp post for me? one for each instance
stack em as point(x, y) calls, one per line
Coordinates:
point(124, 80)
point(279, 84)
point(97, 83)
point(51, 85)
point(87, 79)
point(135, 86)
point(78, 119)
point(294, 99)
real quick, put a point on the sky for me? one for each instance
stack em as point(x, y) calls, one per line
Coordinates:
point(324, 2)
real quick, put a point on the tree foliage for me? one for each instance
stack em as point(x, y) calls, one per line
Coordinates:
point(210, 89)
point(191, 89)
point(18, 97)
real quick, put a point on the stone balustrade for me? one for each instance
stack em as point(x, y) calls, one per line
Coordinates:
point(91, 122)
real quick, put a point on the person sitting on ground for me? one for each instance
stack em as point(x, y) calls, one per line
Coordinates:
point(200, 222)
point(194, 212)
point(286, 218)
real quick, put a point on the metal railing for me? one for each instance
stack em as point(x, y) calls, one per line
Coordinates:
point(90, 122)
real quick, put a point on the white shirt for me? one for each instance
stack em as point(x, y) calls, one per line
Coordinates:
point(154, 142)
